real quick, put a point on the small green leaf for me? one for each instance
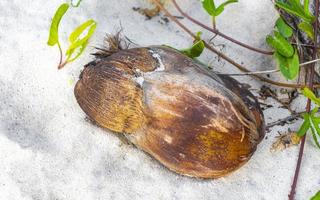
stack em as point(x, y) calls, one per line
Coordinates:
point(280, 44)
point(313, 131)
point(284, 29)
point(79, 50)
point(195, 51)
point(315, 124)
point(209, 6)
point(78, 44)
point(289, 67)
point(305, 126)
point(308, 93)
point(54, 28)
point(79, 30)
point(221, 7)
point(316, 196)
point(307, 28)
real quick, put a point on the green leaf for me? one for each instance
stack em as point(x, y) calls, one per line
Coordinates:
point(305, 126)
point(296, 5)
point(306, 6)
point(79, 50)
point(289, 67)
point(79, 30)
point(313, 131)
point(78, 44)
point(280, 44)
point(308, 93)
point(221, 7)
point(194, 51)
point(316, 196)
point(209, 6)
point(54, 28)
point(295, 8)
point(313, 112)
point(315, 125)
point(307, 28)
point(284, 29)
point(214, 11)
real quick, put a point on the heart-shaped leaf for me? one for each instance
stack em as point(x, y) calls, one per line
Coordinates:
point(289, 67)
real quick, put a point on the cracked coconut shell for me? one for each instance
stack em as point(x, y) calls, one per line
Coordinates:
point(191, 120)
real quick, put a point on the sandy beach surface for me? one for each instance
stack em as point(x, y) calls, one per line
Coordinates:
point(48, 150)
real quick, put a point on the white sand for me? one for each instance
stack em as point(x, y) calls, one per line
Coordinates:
point(49, 151)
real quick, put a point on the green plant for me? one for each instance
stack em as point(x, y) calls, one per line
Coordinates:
point(316, 196)
point(302, 11)
point(78, 39)
point(285, 54)
point(311, 121)
point(196, 49)
point(214, 10)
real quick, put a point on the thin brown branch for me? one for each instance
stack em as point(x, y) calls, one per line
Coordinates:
point(216, 31)
point(308, 107)
point(269, 71)
point(231, 61)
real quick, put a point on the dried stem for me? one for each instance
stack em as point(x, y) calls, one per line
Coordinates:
point(253, 73)
point(216, 31)
point(294, 116)
point(311, 73)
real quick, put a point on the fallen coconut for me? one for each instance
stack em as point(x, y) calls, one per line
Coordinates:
point(193, 121)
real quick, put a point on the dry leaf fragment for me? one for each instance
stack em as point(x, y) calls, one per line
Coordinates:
point(284, 141)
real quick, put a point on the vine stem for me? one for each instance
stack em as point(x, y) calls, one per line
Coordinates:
point(223, 56)
point(311, 73)
point(216, 31)
point(270, 71)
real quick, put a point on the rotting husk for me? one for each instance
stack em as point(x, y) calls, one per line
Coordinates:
point(193, 121)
